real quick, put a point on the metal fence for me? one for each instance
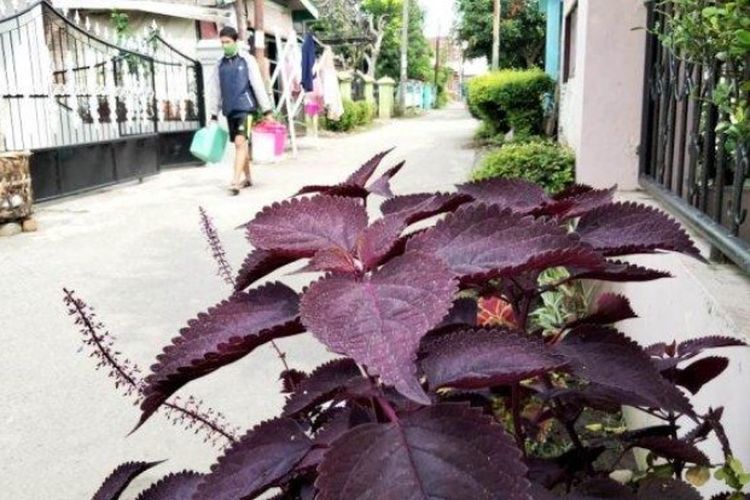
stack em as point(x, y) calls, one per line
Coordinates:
point(685, 162)
point(61, 85)
point(94, 107)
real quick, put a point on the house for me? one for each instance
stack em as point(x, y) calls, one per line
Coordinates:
point(186, 22)
point(631, 111)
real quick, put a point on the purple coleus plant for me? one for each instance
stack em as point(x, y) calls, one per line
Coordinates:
point(410, 409)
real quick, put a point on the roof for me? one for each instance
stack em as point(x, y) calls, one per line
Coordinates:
point(203, 10)
point(167, 8)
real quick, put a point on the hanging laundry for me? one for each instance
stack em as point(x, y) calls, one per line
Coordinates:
point(308, 61)
point(330, 83)
point(292, 62)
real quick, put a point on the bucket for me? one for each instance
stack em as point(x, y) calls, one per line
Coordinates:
point(279, 132)
point(209, 143)
point(264, 144)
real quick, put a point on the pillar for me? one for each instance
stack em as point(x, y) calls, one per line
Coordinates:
point(385, 97)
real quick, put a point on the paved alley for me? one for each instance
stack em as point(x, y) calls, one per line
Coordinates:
point(136, 254)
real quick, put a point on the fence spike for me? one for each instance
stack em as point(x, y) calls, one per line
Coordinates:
point(14, 4)
point(87, 24)
point(2, 7)
point(77, 18)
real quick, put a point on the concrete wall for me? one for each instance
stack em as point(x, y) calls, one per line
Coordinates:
point(601, 105)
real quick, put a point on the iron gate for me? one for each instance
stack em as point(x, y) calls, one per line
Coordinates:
point(685, 162)
point(93, 108)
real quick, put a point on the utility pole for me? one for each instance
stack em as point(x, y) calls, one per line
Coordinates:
point(437, 60)
point(404, 54)
point(260, 38)
point(496, 35)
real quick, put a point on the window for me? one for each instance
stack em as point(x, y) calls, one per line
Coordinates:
point(571, 35)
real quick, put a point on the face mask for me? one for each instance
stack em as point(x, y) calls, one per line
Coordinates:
point(230, 49)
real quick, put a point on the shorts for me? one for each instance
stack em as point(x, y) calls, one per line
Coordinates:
point(239, 125)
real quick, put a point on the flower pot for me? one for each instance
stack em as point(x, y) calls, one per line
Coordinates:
point(16, 197)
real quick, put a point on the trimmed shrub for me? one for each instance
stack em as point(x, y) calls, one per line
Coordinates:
point(355, 114)
point(510, 99)
point(546, 163)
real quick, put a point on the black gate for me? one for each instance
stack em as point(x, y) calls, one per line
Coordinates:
point(700, 172)
point(94, 110)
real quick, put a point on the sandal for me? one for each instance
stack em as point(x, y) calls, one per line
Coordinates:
point(234, 191)
point(247, 183)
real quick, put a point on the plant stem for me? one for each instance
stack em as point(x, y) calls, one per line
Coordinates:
point(387, 409)
point(515, 403)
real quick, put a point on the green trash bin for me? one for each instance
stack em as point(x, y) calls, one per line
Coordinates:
point(209, 143)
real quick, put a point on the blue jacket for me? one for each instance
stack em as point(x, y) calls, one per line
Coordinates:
point(237, 86)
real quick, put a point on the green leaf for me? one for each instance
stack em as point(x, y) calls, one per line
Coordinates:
point(698, 476)
point(743, 37)
point(711, 11)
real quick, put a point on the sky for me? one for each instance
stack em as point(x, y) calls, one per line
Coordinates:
point(439, 16)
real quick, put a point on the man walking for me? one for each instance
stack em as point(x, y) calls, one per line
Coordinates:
point(238, 92)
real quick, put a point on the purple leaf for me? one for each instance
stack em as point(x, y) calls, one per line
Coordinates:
point(331, 259)
point(382, 186)
point(342, 190)
point(610, 359)
point(673, 449)
point(379, 320)
point(264, 455)
point(290, 379)
point(627, 228)
point(120, 478)
point(354, 186)
point(375, 242)
point(415, 207)
point(701, 372)
point(322, 384)
point(693, 347)
point(224, 334)
point(446, 451)
point(483, 242)
point(463, 313)
point(473, 359)
point(363, 173)
point(610, 308)
point(584, 202)
point(179, 486)
point(600, 488)
point(515, 194)
point(258, 264)
point(666, 488)
point(342, 421)
point(572, 191)
point(301, 227)
point(617, 271)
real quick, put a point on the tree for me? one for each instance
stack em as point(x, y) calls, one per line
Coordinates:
point(372, 29)
point(522, 31)
point(419, 53)
point(382, 21)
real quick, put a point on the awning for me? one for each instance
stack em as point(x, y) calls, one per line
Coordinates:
point(311, 8)
point(211, 14)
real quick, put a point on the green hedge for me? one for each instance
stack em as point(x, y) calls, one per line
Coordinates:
point(356, 114)
point(546, 163)
point(510, 99)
